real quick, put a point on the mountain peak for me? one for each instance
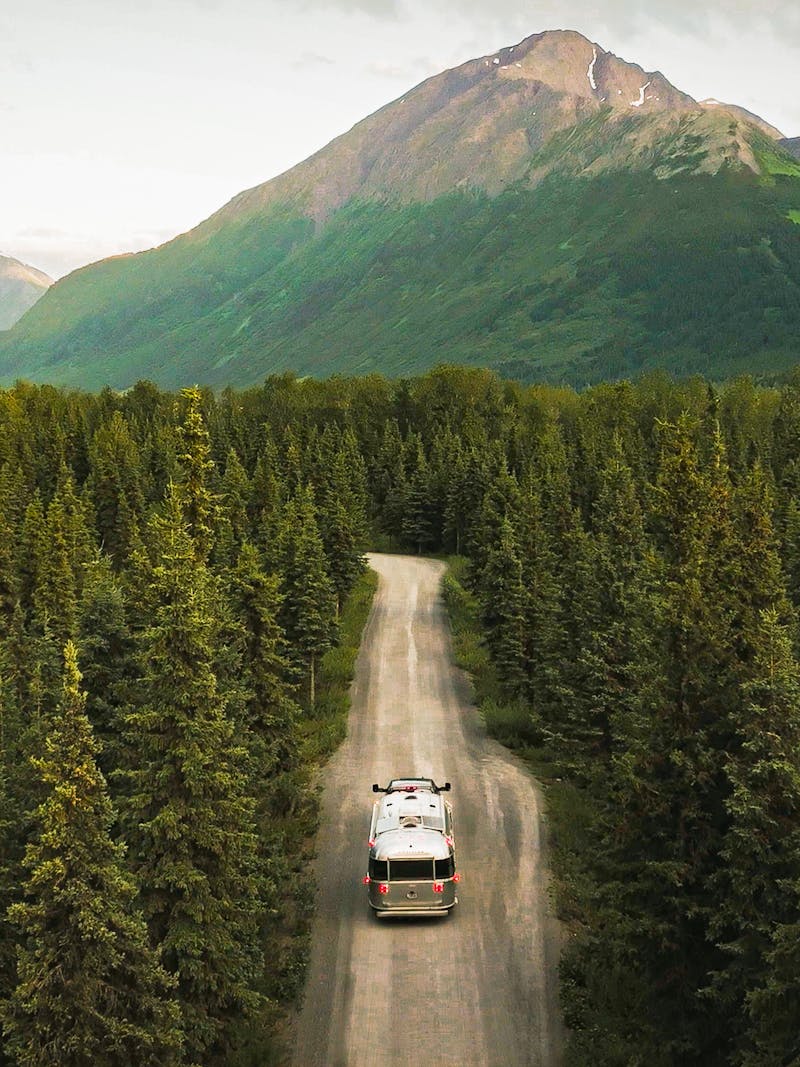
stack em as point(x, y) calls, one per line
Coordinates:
point(568, 62)
point(497, 119)
point(354, 246)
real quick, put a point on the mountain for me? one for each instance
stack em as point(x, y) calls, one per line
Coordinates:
point(548, 209)
point(791, 145)
point(20, 288)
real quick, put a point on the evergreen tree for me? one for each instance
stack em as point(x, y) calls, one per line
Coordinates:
point(418, 523)
point(341, 514)
point(545, 637)
point(309, 605)
point(107, 651)
point(232, 525)
point(90, 990)
point(116, 486)
point(196, 472)
point(615, 645)
point(503, 610)
point(756, 887)
point(188, 815)
point(271, 713)
point(32, 549)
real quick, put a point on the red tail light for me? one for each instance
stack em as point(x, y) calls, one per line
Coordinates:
point(371, 842)
point(366, 879)
point(383, 888)
point(456, 877)
point(438, 887)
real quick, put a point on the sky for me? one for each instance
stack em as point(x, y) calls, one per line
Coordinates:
point(126, 122)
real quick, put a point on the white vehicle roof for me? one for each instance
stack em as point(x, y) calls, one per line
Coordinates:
point(400, 844)
point(404, 810)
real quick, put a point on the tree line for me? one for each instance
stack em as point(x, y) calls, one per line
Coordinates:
point(171, 572)
point(170, 578)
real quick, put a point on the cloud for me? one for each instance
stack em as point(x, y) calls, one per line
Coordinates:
point(416, 68)
point(312, 59)
point(620, 18)
point(43, 233)
point(380, 9)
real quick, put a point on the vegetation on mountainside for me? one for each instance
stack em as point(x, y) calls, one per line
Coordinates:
point(576, 280)
point(630, 557)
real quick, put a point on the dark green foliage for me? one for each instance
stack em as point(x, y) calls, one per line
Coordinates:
point(758, 881)
point(187, 813)
point(116, 487)
point(271, 713)
point(197, 500)
point(503, 602)
point(107, 651)
point(633, 558)
point(309, 599)
point(90, 990)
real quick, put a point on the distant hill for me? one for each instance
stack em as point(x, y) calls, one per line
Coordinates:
point(20, 287)
point(791, 145)
point(548, 209)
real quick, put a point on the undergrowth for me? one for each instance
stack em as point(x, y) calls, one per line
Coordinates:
point(569, 805)
point(322, 730)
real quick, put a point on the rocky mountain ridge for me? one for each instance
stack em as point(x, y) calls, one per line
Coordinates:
point(549, 208)
point(479, 124)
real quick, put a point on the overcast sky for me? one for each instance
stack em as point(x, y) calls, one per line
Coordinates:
point(125, 122)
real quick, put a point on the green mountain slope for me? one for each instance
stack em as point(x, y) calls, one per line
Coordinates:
point(549, 210)
point(20, 287)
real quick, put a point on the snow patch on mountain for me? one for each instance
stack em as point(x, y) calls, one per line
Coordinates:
point(640, 101)
point(590, 71)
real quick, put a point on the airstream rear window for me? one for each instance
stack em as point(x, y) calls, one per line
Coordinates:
point(378, 869)
point(445, 868)
point(410, 870)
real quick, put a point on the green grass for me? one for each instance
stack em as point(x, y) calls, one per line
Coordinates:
point(569, 807)
point(778, 164)
point(325, 727)
point(290, 936)
point(794, 216)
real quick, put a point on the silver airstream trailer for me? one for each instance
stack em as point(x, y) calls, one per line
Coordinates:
point(412, 861)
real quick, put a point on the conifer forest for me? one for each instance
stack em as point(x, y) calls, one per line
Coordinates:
point(176, 571)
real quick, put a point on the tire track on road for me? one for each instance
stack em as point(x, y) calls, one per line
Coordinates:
point(481, 986)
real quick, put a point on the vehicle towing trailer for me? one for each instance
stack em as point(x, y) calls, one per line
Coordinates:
point(412, 862)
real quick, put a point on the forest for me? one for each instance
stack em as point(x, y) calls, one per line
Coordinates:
point(176, 569)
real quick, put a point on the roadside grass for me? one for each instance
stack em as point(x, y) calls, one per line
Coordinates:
point(288, 929)
point(325, 726)
point(570, 813)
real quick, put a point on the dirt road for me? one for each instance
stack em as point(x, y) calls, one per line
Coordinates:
point(480, 986)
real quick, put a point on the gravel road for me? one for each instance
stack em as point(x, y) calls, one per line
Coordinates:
point(479, 987)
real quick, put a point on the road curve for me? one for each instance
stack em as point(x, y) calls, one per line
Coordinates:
point(479, 987)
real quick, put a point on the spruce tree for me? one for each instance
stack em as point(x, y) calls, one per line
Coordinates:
point(271, 713)
point(90, 991)
point(107, 651)
point(197, 470)
point(418, 521)
point(503, 610)
point(115, 483)
point(232, 524)
point(614, 646)
point(756, 886)
point(188, 814)
point(308, 614)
